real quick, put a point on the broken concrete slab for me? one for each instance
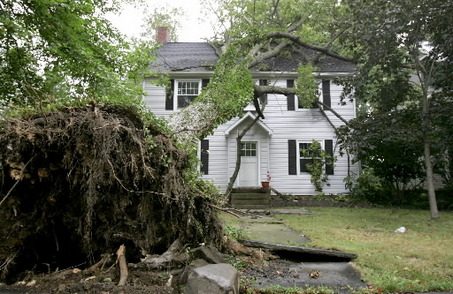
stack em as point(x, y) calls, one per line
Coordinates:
point(273, 232)
point(300, 253)
point(339, 276)
point(219, 278)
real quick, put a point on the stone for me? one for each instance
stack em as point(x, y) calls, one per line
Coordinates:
point(208, 253)
point(188, 269)
point(219, 278)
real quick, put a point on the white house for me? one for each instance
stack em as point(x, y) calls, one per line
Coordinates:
point(272, 146)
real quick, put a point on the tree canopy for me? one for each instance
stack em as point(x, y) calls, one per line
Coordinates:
point(64, 50)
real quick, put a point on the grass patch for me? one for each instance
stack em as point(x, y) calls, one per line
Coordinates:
point(419, 260)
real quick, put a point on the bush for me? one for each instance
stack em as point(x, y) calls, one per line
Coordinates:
point(369, 188)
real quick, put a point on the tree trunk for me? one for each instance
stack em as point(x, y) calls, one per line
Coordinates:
point(429, 178)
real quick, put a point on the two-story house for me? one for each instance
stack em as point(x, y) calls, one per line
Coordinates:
point(273, 146)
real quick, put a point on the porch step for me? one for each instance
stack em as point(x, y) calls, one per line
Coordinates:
point(252, 199)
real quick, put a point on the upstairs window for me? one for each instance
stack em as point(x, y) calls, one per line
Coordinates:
point(293, 101)
point(186, 92)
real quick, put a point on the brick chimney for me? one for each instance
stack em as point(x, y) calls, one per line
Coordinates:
point(162, 35)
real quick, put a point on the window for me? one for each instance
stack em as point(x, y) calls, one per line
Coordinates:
point(248, 149)
point(298, 158)
point(186, 92)
point(293, 102)
point(305, 157)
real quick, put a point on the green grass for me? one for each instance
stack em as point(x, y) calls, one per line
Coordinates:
point(419, 260)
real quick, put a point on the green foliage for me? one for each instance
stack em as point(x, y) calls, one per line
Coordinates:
point(231, 87)
point(59, 52)
point(235, 233)
point(402, 72)
point(319, 159)
point(319, 17)
point(306, 86)
point(369, 187)
point(389, 146)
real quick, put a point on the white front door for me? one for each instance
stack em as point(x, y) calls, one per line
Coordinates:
point(248, 173)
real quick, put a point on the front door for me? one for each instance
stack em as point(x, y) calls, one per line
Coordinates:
point(248, 173)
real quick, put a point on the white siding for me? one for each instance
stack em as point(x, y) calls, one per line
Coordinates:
point(302, 125)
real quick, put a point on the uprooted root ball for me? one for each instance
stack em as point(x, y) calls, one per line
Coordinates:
point(78, 182)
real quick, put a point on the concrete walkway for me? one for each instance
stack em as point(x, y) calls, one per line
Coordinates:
point(261, 226)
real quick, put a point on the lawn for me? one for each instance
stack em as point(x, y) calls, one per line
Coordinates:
point(421, 259)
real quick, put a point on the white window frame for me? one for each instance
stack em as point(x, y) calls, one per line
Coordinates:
point(176, 94)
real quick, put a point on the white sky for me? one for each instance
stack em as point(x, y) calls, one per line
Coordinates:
point(192, 30)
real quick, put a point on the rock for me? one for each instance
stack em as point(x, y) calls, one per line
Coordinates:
point(213, 279)
point(208, 253)
point(188, 269)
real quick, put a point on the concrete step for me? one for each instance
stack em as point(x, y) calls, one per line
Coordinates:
point(250, 200)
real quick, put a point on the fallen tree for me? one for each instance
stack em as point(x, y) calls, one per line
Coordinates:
point(78, 182)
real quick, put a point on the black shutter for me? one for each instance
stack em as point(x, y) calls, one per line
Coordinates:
point(204, 83)
point(263, 98)
point(204, 157)
point(290, 99)
point(326, 92)
point(169, 96)
point(328, 146)
point(292, 157)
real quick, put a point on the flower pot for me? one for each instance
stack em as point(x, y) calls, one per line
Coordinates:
point(265, 184)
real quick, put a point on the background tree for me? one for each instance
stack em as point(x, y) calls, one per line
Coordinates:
point(162, 17)
point(400, 60)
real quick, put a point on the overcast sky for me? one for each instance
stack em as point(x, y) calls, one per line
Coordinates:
point(130, 20)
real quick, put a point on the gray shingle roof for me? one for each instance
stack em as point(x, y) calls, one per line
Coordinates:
point(201, 57)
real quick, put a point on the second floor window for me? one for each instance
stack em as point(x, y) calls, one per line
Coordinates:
point(186, 92)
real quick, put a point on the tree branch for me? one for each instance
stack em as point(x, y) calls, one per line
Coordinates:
point(297, 40)
point(333, 111)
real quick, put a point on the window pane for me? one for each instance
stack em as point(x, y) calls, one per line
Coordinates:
point(184, 101)
point(303, 164)
point(188, 88)
point(248, 149)
point(303, 149)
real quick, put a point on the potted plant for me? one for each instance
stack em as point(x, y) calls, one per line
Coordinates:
point(265, 183)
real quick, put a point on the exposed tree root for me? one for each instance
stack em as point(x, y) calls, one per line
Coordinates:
point(121, 254)
point(78, 182)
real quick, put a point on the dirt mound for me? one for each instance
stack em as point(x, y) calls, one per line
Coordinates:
point(78, 182)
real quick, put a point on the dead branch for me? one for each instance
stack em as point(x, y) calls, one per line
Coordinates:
point(92, 269)
point(167, 257)
point(227, 210)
